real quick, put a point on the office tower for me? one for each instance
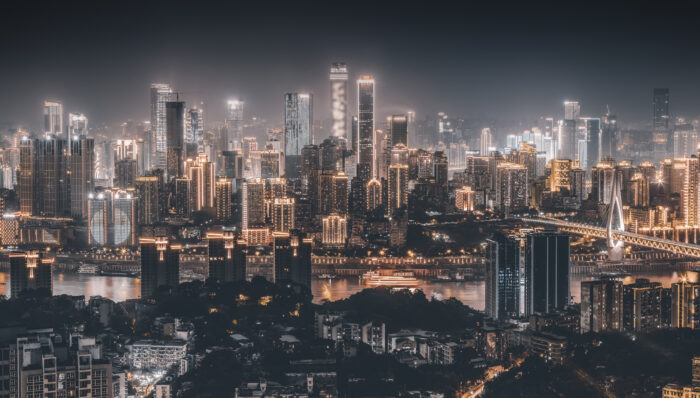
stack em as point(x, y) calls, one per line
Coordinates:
point(374, 194)
point(77, 125)
point(147, 192)
point(234, 124)
point(512, 187)
point(194, 129)
point(30, 270)
point(546, 272)
point(593, 143)
point(339, 99)
point(685, 140)
point(641, 306)
point(397, 126)
point(502, 277)
point(608, 136)
point(398, 188)
point(298, 122)
point(292, 258)
point(224, 191)
point(53, 118)
point(662, 116)
point(253, 204)
point(601, 306)
point(160, 265)
point(333, 193)
point(685, 302)
point(464, 199)
point(335, 230)
point(175, 133)
point(184, 197)
point(486, 141)
point(82, 172)
point(160, 95)
point(99, 219)
point(283, 214)
point(365, 127)
point(227, 257)
point(123, 219)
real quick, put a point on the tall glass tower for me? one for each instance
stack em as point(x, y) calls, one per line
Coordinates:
point(339, 99)
point(160, 94)
point(298, 122)
point(365, 127)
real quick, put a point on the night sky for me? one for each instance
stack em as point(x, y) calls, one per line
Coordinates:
point(502, 61)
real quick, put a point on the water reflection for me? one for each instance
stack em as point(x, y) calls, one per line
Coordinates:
point(471, 293)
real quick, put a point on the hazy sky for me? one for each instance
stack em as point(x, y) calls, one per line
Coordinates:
point(510, 62)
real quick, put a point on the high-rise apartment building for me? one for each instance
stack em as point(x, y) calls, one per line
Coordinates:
point(642, 306)
point(334, 233)
point(547, 271)
point(82, 173)
point(502, 277)
point(601, 306)
point(397, 188)
point(31, 270)
point(512, 187)
point(397, 130)
point(227, 257)
point(292, 258)
point(175, 134)
point(224, 191)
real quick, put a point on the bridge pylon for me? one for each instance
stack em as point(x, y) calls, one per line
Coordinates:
point(615, 222)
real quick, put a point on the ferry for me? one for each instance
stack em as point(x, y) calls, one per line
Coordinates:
point(396, 279)
point(91, 269)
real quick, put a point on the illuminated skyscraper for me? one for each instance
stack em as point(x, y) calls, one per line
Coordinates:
point(148, 193)
point(685, 302)
point(160, 95)
point(374, 194)
point(339, 100)
point(175, 133)
point(608, 136)
point(398, 188)
point(502, 277)
point(486, 141)
point(298, 122)
point(397, 126)
point(283, 214)
point(44, 179)
point(99, 219)
point(601, 306)
point(227, 257)
point(234, 124)
point(30, 271)
point(224, 190)
point(512, 187)
point(568, 139)
point(77, 125)
point(464, 199)
point(184, 197)
point(253, 204)
point(53, 118)
point(82, 172)
point(194, 132)
point(593, 143)
point(333, 194)
point(334, 230)
point(160, 265)
point(685, 140)
point(689, 193)
point(546, 272)
point(123, 219)
point(641, 306)
point(365, 127)
point(202, 174)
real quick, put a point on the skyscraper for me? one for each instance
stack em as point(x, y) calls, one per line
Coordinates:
point(53, 118)
point(283, 214)
point(30, 271)
point(339, 99)
point(685, 302)
point(502, 277)
point(641, 305)
point(77, 125)
point(334, 232)
point(546, 272)
point(227, 257)
point(253, 204)
point(44, 179)
point(175, 133)
point(601, 306)
point(298, 122)
point(99, 219)
point(194, 133)
point(124, 219)
point(160, 265)
point(234, 124)
point(82, 172)
point(398, 188)
point(160, 95)
point(365, 127)
point(608, 136)
point(593, 143)
point(486, 141)
point(397, 126)
point(568, 139)
point(292, 258)
point(512, 187)
point(147, 190)
point(224, 190)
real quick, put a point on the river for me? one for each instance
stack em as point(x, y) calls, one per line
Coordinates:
point(120, 288)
